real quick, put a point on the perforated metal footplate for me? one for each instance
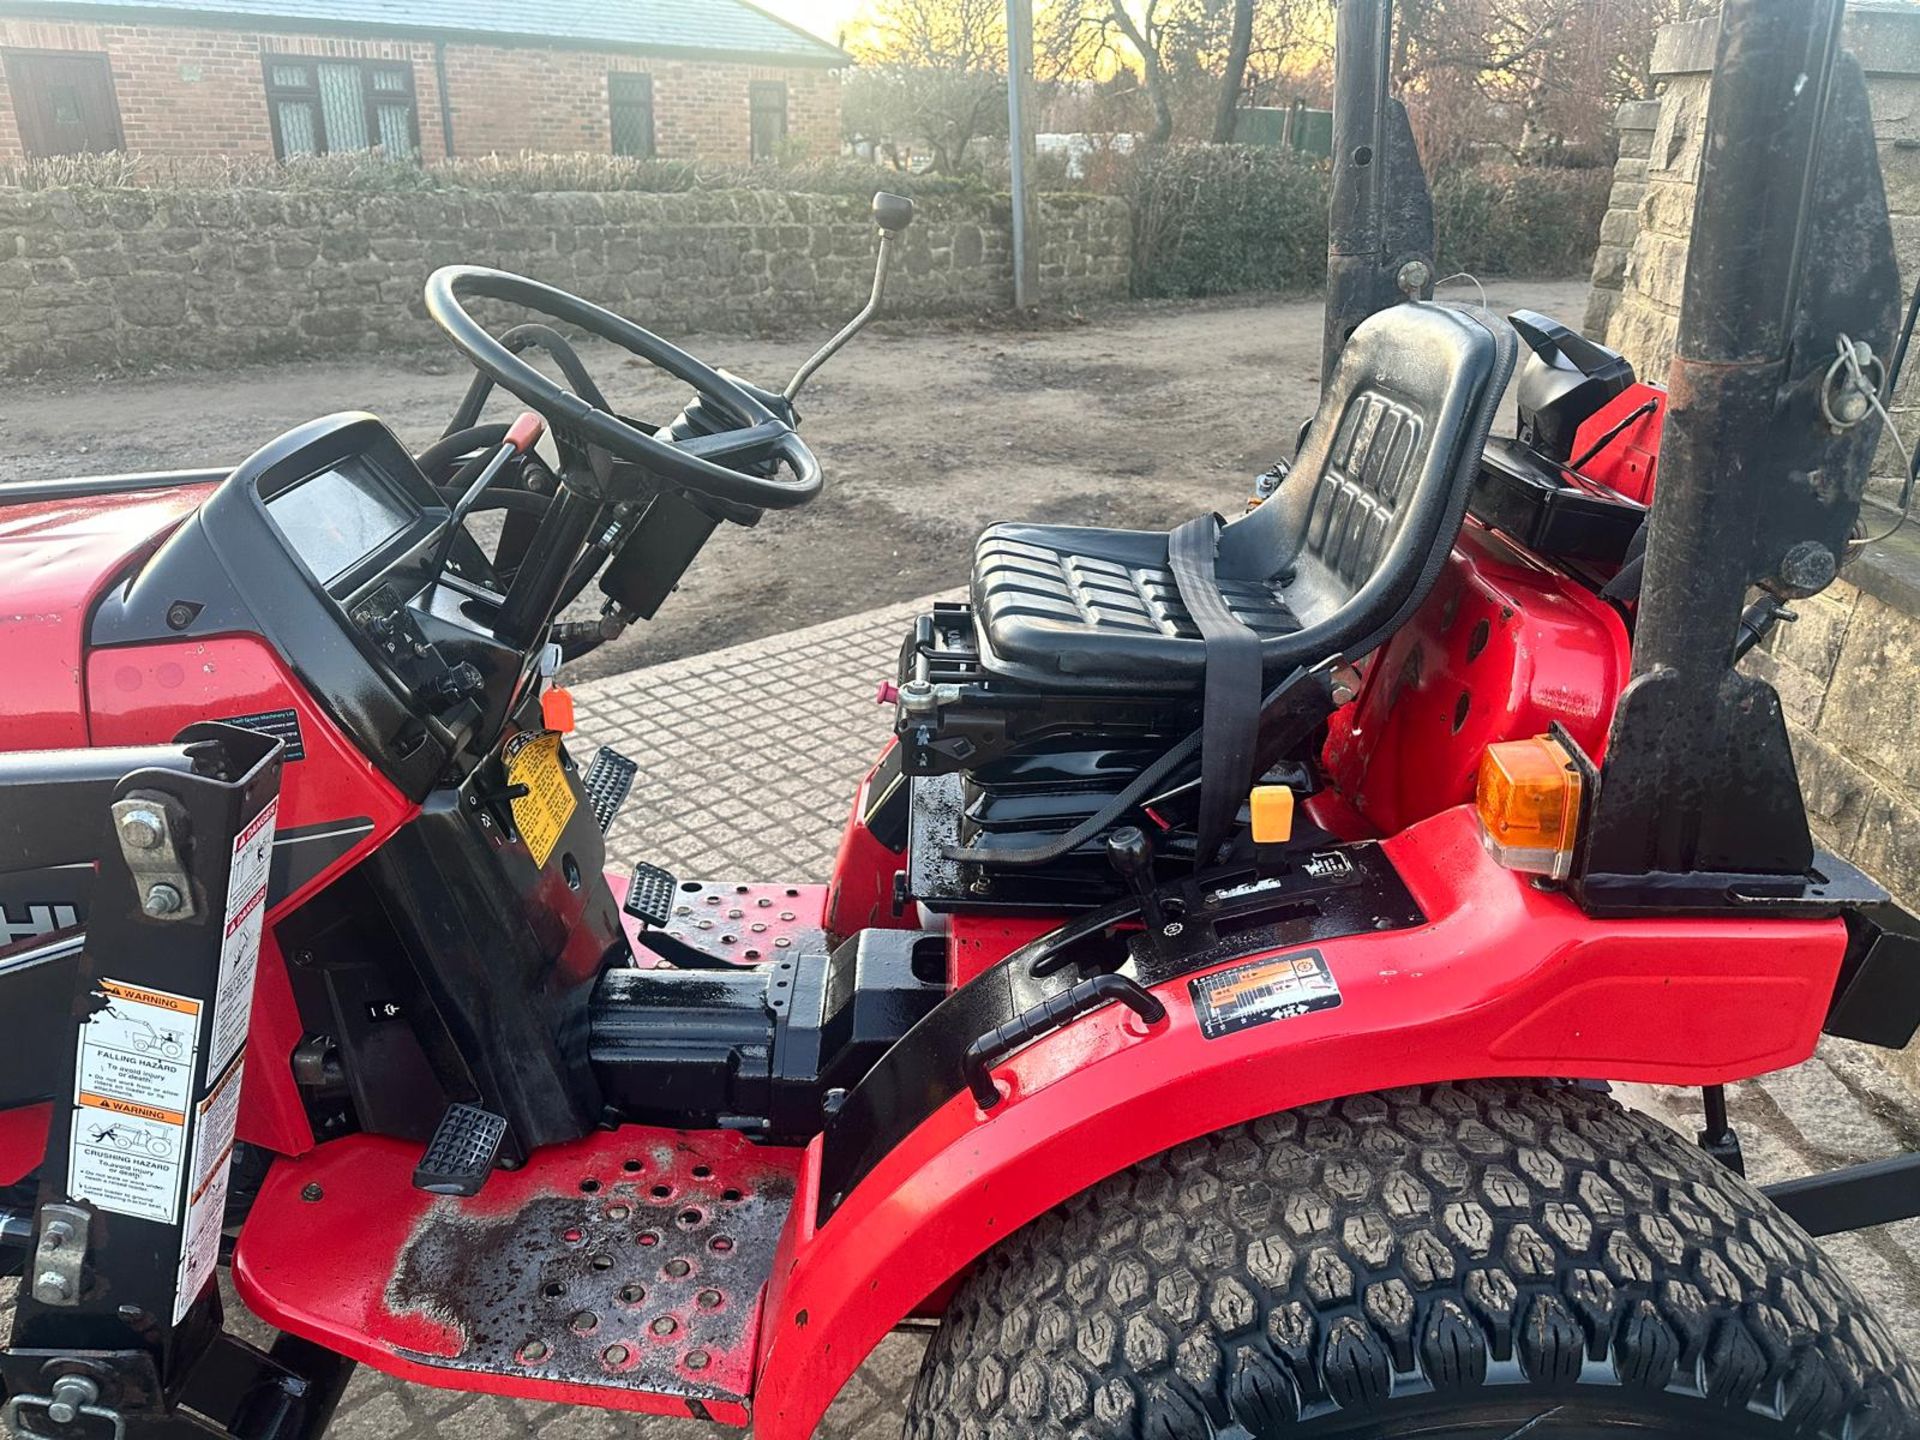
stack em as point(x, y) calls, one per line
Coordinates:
point(649, 1272)
point(630, 1264)
point(727, 922)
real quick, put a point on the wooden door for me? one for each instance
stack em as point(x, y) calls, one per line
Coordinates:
point(63, 101)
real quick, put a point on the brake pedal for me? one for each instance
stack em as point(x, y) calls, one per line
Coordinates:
point(608, 781)
point(461, 1154)
point(650, 895)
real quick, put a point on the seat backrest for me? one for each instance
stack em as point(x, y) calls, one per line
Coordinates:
point(1360, 528)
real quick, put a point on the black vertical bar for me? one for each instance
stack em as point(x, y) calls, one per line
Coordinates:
point(1791, 248)
point(1355, 245)
point(156, 1080)
point(1380, 214)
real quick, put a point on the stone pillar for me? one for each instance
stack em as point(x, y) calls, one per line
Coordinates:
point(1641, 319)
point(1634, 122)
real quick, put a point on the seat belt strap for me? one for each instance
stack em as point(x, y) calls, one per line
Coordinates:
point(1230, 701)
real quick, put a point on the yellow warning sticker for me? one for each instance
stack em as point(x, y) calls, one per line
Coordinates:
point(532, 759)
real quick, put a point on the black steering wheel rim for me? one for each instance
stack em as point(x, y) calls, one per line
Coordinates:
point(694, 465)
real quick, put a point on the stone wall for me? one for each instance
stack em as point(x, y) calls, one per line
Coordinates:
point(1848, 668)
point(140, 277)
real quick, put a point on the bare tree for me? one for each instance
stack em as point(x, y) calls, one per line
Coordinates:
point(933, 72)
point(1239, 49)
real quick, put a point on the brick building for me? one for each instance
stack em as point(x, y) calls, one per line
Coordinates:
point(714, 80)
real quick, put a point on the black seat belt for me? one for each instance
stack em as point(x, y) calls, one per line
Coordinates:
point(1230, 701)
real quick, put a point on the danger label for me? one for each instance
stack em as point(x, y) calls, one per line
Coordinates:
point(541, 814)
point(1280, 987)
point(240, 945)
point(133, 1088)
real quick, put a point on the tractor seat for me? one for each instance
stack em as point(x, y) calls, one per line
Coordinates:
point(1330, 565)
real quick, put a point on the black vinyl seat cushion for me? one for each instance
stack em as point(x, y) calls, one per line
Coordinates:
point(1330, 565)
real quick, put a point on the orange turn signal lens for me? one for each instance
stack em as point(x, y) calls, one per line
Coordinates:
point(1528, 801)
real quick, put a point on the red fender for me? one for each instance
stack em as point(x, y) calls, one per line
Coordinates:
point(1505, 980)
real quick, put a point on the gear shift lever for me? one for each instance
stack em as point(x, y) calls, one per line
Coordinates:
point(892, 214)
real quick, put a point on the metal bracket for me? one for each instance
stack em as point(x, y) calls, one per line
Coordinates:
point(73, 1398)
point(152, 830)
point(61, 1255)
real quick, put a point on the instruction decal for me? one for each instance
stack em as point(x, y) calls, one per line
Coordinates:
point(532, 759)
point(1279, 987)
point(240, 947)
point(213, 1126)
point(133, 1086)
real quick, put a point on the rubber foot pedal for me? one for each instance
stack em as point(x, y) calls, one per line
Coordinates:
point(461, 1154)
point(650, 895)
point(608, 781)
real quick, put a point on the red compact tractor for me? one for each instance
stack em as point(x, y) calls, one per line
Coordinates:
point(1209, 1019)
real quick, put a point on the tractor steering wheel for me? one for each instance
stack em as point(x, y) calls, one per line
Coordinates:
point(698, 464)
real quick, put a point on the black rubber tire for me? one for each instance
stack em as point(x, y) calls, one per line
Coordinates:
point(1469, 1259)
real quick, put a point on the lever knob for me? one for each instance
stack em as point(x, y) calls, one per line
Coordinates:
point(892, 213)
point(1131, 854)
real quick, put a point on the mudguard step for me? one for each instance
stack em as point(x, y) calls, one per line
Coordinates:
point(625, 1270)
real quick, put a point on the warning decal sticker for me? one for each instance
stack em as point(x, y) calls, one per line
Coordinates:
point(133, 1082)
point(240, 947)
point(207, 1200)
point(532, 759)
point(1280, 987)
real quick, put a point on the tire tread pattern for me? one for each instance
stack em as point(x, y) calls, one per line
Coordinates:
point(1326, 1269)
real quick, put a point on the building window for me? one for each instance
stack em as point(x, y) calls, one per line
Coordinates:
point(63, 102)
point(322, 107)
point(630, 106)
point(767, 101)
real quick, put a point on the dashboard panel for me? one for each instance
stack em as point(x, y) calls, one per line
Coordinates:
point(322, 543)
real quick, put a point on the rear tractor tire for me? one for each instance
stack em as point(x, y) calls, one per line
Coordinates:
point(1482, 1259)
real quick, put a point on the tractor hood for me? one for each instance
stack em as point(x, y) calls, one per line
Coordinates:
point(61, 547)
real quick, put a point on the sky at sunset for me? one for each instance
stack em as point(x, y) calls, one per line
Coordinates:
point(824, 17)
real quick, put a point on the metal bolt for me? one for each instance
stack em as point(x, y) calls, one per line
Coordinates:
point(70, 1394)
point(616, 1355)
point(1414, 277)
point(52, 1285)
point(534, 1351)
point(1808, 567)
point(162, 900)
point(56, 1235)
point(665, 1325)
point(311, 1191)
point(584, 1322)
point(697, 1359)
point(143, 829)
point(781, 942)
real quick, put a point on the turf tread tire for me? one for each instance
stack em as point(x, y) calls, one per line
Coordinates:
point(1347, 1265)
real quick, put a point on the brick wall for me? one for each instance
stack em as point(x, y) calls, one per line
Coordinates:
point(135, 278)
point(1848, 669)
point(188, 90)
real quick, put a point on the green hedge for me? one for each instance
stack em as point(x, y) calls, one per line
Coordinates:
point(1518, 220)
point(1220, 219)
point(1216, 219)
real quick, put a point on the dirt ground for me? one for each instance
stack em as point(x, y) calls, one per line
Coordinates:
point(1140, 416)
